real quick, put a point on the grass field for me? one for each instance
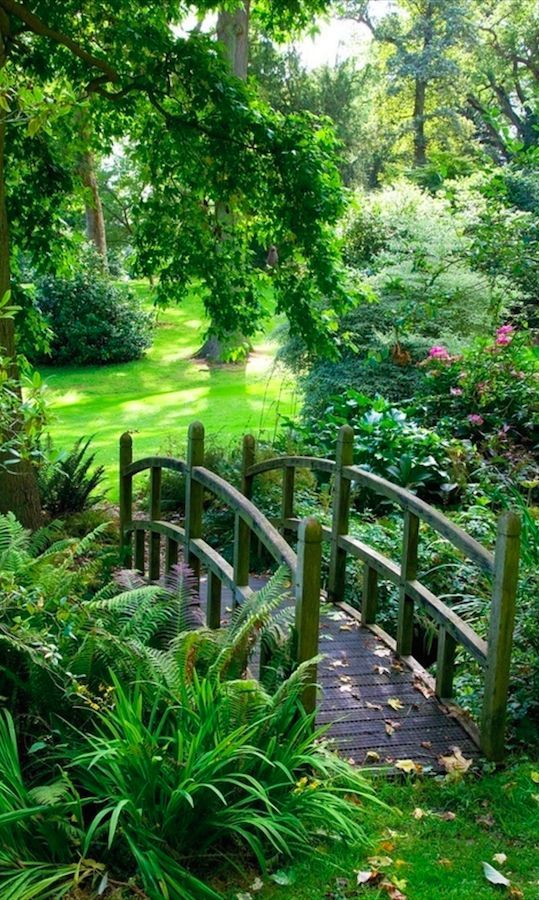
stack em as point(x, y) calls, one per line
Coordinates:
point(158, 396)
point(430, 844)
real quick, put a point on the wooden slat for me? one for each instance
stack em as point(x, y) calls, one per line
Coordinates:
point(298, 462)
point(168, 529)
point(155, 462)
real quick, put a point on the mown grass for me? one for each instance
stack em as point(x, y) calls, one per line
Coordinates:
point(426, 855)
point(158, 396)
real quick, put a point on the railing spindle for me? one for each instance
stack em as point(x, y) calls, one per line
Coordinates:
point(154, 564)
point(341, 512)
point(307, 615)
point(140, 550)
point(370, 595)
point(405, 626)
point(242, 548)
point(126, 498)
point(194, 495)
point(500, 636)
point(287, 501)
point(445, 664)
point(171, 558)
point(213, 602)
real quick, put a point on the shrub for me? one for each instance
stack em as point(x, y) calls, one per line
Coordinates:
point(68, 484)
point(489, 392)
point(386, 442)
point(93, 320)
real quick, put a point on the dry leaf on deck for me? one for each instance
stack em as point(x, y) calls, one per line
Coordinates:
point(408, 766)
point(395, 703)
point(372, 756)
point(456, 762)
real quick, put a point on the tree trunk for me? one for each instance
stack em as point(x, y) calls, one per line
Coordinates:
point(233, 35)
point(95, 220)
point(18, 483)
point(420, 139)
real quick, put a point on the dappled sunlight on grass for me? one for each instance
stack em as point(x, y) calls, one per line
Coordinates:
point(158, 396)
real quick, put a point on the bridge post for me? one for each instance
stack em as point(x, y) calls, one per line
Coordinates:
point(126, 498)
point(405, 625)
point(309, 555)
point(287, 501)
point(194, 494)
point(242, 532)
point(155, 513)
point(247, 460)
point(341, 512)
point(500, 636)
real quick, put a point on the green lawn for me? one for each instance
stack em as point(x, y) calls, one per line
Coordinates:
point(431, 844)
point(158, 396)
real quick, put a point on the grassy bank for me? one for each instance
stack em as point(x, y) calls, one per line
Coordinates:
point(158, 396)
point(432, 843)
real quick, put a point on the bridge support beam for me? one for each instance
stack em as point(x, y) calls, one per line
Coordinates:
point(126, 499)
point(341, 513)
point(194, 495)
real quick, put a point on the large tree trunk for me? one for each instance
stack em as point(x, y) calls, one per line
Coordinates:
point(95, 220)
point(18, 484)
point(233, 35)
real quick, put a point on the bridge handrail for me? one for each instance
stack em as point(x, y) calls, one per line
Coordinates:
point(494, 654)
point(304, 566)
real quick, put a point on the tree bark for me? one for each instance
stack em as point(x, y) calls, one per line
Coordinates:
point(95, 219)
point(233, 35)
point(420, 138)
point(18, 483)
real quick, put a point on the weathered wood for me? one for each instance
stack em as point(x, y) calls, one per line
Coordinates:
point(444, 615)
point(445, 664)
point(156, 462)
point(287, 499)
point(370, 595)
point(126, 498)
point(242, 546)
point(171, 558)
point(405, 624)
point(140, 550)
point(213, 608)
point(500, 636)
point(214, 562)
point(168, 529)
point(194, 494)
point(386, 568)
point(307, 612)
point(154, 564)
point(256, 520)
point(471, 548)
point(341, 513)
point(297, 462)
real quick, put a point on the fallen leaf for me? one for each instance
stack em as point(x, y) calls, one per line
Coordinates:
point(389, 728)
point(346, 679)
point(351, 761)
point(446, 816)
point(495, 877)
point(346, 627)
point(372, 756)
point(515, 893)
point(382, 651)
point(395, 703)
point(408, 766)
point(339, 663)
point(426, 744)
point(381, 670)
point(446, 863)
point(257, 884)
point(345, 688)
point(500, 858)
point(535, 777)
point(244, 896)
point(368, 876)
point(387, 846)
point(392, 891)
point(372, 705)
point(419, 813)
point(488, 821)
point(455, 763)
point(423, 689)
point(397, 666)
point(380, 862)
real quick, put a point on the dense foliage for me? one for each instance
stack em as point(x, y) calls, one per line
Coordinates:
point(92, 320)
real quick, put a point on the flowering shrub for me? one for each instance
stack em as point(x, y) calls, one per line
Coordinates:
point(490, 391)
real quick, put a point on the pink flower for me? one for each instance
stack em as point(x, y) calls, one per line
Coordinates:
point(439, 352)
point(504, 335)
point(476, 419)
point(456, 391)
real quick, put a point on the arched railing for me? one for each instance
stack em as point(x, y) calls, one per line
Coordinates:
point(493, 654)
point(141, 540)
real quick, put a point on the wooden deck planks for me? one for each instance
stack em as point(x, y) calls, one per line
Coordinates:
point(359, 676)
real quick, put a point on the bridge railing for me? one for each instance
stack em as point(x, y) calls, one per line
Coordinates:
point(141, 540)
point(493, 654)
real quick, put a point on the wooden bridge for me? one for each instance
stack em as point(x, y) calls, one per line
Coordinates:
point(380, 702)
